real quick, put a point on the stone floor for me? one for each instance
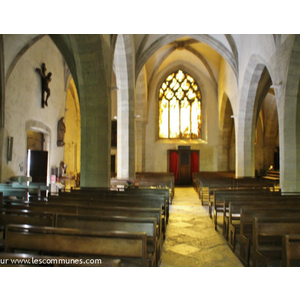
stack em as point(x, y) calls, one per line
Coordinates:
point(191, 240)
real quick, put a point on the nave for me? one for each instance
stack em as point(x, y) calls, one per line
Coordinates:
point(191, 240)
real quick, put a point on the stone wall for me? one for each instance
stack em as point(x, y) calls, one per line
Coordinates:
point(23, 105)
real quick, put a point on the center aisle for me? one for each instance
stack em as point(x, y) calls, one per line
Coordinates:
point(191, 240)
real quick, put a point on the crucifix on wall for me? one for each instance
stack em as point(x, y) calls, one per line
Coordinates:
point(46, 78)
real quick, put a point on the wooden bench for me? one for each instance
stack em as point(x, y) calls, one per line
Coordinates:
point(242, 223)
point(10, 216)
point(130, 248)
point(29, 260)
point(129, 212)
point(231, 210)
point(222, 197)
point(158, 179)
point(102, 223)
point(291, 250)
point(247, 216)
point(122, 199)
point(79, 207)
point(204, 181)
point(267, 238)
point(130, 223)
point(137, 194)
point(115, 223)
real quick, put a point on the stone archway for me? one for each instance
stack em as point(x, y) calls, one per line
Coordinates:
point(73, 133)
point(255, 87)
point(226, 157)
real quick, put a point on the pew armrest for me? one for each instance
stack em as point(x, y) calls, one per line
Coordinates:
point(244, 250)
point(259, 260)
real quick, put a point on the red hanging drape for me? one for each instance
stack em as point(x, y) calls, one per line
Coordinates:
point(194, 162)
point(174, 164)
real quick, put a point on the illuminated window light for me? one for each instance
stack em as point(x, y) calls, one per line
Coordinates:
point(180, 112)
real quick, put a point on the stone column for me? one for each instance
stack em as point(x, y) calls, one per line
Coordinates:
point(95, 106)
point(140, 145)
point(124, 69)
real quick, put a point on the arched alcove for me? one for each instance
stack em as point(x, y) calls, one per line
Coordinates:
point(267, 136)
point(73, 133)
point(226, 157)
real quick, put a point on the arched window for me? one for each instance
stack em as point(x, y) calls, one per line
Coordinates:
point(180, 107)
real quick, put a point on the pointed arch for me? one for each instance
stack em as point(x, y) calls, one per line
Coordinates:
point(255, 86)
point(144, 55)
point(226, 157)
point(73, 134)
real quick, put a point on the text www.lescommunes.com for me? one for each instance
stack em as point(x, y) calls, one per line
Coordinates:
point(49, 261)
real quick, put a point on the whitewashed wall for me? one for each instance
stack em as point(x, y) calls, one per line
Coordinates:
point(23, 105)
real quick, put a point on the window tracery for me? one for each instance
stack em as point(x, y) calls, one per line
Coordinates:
point(180, 111)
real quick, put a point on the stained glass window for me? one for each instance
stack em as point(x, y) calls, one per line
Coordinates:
point(180, 111)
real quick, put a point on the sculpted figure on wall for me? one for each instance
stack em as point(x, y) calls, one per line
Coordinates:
point(61, 130)
point(46, 78)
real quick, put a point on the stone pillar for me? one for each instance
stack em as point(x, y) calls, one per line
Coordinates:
point(140, 145)
point(124, 69)
point(126, 131)
point(95, 106)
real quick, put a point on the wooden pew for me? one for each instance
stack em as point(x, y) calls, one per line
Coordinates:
point(205, 181)
point(30, 260)
point(216, 195)
point(115, 223)
point(140, 193)
point(247, 216)
point(105, 194)
point(291, 250)
point(96, 222)
point(10, 216)
point(129, 247)
point(120, 199)
point(222, 197)
point(264, 230)
point(76, 206)
point(208, 180)
point(282, 206)
point(158, 179)
point(26, 216)
point(129, 212)
point(84, 198)
point(232, 206)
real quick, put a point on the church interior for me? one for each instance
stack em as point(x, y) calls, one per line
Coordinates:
point(146, 150)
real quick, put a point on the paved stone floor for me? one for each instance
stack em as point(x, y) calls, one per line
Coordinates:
point(191, 240)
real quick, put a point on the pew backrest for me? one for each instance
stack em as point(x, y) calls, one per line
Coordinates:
point(290, 250)
point(121, 245)
point(266, 229)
